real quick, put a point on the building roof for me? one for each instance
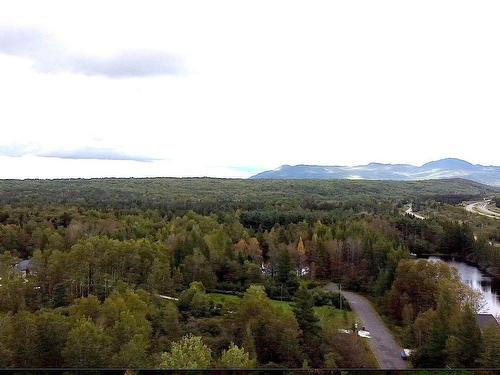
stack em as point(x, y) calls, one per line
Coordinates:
point(24, 265)
point(485, 320)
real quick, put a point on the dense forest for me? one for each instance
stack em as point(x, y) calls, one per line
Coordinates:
point(209, 195)
point(198, 273)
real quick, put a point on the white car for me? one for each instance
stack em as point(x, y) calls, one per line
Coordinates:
point(364, 334)
point(405, 354)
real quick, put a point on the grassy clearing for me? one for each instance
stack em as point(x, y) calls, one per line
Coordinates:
point(329, 317)
point(226, 299)
point(332, 318)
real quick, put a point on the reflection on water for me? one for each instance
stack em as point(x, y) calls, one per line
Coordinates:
point(488, 286)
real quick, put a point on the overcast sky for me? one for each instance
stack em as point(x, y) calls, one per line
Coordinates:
point(231, 88)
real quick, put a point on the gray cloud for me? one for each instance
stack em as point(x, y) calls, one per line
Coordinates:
point(94, 153)
point(99, 153)
point(50, 57)
point(21, 41)
point(133, 63)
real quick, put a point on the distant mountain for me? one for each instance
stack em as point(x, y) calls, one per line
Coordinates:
point(444, 168)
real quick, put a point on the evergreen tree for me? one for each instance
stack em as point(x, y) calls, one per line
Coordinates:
point(159, 279)
point(52, 332)
point(23, 340)
point(284, 265)
point(275, 331)
point(166, 326)
point(433, 353)
point(61, 295)
point(5, 352)
point(490, 355)
point(249, 342)
point(197, 268)
point(464, 346)
point(309, 325)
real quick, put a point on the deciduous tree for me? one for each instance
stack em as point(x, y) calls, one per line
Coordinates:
point(235, 357)
point(87, 345)
point(190, 352)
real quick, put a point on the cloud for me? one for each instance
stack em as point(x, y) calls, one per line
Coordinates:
point(96, 153)
point(21, 41)
point(50, 57)
point(16, 149)
point(132, 63)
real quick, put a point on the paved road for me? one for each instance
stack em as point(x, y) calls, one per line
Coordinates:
point(409, 211)
point(481, 208)
point(383, 345)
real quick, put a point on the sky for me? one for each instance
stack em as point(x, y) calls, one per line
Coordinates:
point(232, 88)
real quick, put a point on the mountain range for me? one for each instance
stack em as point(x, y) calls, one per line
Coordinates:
point(439, 169)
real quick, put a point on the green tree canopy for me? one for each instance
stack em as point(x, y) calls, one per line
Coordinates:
point(87, 345)
point(464, 346)
point(235, 357)
point(190, 353)
point(310, 337)
point(490, 355)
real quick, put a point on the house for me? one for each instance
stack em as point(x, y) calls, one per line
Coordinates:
point(24, 266)
point(485, 320)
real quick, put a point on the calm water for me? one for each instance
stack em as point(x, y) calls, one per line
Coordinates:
point(487, 285)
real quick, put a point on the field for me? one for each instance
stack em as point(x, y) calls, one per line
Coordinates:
point(329, 317)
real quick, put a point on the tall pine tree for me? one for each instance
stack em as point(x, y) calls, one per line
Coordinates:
point(310, 339)
point(464, 347)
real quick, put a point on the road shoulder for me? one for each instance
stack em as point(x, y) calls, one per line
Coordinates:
point(383, 344)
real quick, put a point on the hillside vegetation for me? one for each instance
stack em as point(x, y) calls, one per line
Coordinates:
point(228, 273)
point(210, 193)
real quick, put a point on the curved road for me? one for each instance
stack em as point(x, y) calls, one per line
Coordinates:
point(409, 211)
point(383, 345)
point(481, 208)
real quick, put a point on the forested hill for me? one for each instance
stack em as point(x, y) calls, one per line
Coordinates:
point(210, 194)
point(117, 273)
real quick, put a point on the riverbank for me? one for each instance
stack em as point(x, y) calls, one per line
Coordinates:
point(488, 270)
point(482, 282)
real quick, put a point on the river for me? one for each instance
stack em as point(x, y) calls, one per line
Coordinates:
point(478, 280)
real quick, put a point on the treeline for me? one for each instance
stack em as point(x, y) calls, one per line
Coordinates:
point(437, 315)
point(98, 276)
point(176, 196)
point(447, 198)
point(80, 253)
point(439, 236)
point(139, 329)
